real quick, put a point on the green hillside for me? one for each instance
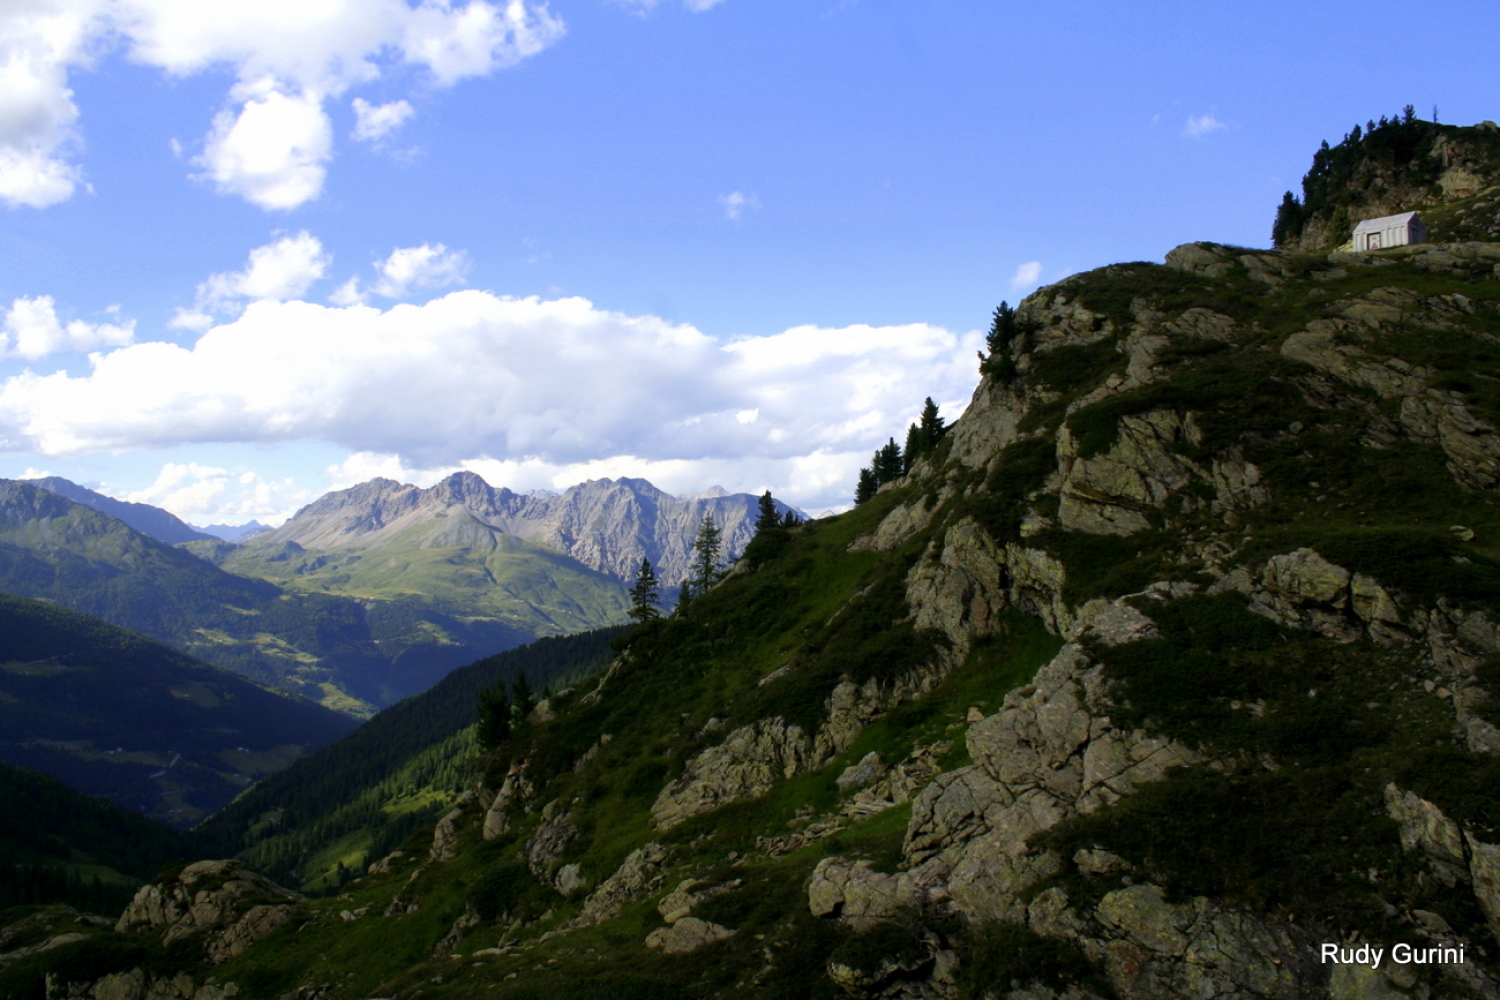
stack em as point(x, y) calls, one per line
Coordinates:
point(120, 717)
point(354, 801)
point(455, 566)
point(352, 655)
point(57, 846)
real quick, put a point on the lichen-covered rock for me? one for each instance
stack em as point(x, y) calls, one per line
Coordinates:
point(686, 935)
point(553, 835)
point(1424, 828)
point(856, 894)
point(515, 791)
point(445, 836)
point(138, 984)
point(1110, 493)
point(231, 906)
point(638, 875)
point(752, 758)
point(962, 585)
point(689, 893)
point(870, 768)
point(746, 765)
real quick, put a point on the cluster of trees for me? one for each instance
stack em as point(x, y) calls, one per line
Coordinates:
point(1396, 143)
point(892, 461)
point(707, 567)
point(501, 714)
point(31, 885)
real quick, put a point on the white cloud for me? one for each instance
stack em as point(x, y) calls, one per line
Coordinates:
point(31, 330)
point(374, 122)
point(206, 494)
point(34, 473)
point(697, 6)
point(1027, 275)
point(737, 203)
point(476, 39)
point(39, 41)
point(347, 294)
point(281, 270)
point(274, 152)
point(473, 376)
point(427, 266)
point(1200, 125)
point(272, 141)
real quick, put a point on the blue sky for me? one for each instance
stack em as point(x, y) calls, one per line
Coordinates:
point(257, 249)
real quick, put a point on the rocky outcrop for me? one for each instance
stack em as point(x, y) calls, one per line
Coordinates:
point(515, 791)
point(746, 765)
point(138, 984)
point(963, 582)
point(1426, 414)
point(686, 935)
point(638, 875)
point(225, 903)
point(553, 835)
point(752, 758)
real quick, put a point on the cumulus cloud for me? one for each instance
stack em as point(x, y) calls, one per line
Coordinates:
point(39, 41)
point(697, 6)
point(206, 494)
point(737, 203)
point(32, 330)
point(374, 122)
point(273, 151)
point(427, 266)
point(472, 375)
point(1199, 126)
point(1027, 275)
point(272, 141)
point(281, 270)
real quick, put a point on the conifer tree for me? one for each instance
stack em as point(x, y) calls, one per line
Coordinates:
point(768, 517)
point(494, 716)
point(1002, 328)
point(522, 699)
point(706, 549)
point(867, 486)
point(933, 426)
point(913, 449)
point(889, 465)
point(645, 596)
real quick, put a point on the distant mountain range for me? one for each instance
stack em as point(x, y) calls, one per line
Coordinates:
point(369, 594)
point(234, 532)
point(159, 524)
point(348, 654)
point(118, 716)
point(608, 525)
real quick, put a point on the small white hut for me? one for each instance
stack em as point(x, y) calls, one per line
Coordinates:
point(1389, 231)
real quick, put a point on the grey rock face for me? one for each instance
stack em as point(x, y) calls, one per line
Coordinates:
point(638, 875)
point(231, 906)
point(686, 935)
point(553, 835)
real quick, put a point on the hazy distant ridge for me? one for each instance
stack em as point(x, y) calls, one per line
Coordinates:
point(606, 524)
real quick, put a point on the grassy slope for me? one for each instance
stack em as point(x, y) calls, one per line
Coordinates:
point(456, 566)
point(62, 836)
point(354, 801)
point(117, 715)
